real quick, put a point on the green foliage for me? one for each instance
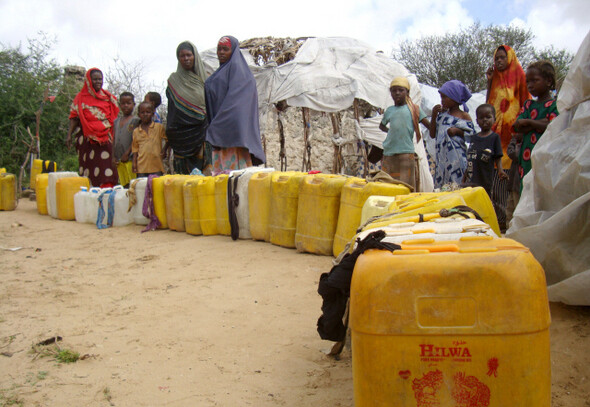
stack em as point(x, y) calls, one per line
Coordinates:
point(468, 54)
point(25, 77)
point(67, 356)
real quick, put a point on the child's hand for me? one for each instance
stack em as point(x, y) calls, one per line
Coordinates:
point(454, 131)
point(502, 174)
point(436, 110)
point(134, 169)
point(125, 158)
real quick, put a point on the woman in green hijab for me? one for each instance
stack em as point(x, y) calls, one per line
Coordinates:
point(187, 117)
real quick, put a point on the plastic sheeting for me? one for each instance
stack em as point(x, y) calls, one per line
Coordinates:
point(552, 215)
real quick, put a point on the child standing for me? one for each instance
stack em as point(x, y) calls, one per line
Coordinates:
point(450, 126)
point(513, 152)
point(398, 147)
point(124, 126)
point(156, 100)
point(536, 114)
point(485, 151)
point(147, 143)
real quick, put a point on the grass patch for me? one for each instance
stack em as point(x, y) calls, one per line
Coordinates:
point(67, 356)
point(54, 351)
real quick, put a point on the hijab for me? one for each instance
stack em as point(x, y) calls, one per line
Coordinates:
point(187, 87)
point(457, 91)
point(508, 92)
point(96, 110)
point(232, 105)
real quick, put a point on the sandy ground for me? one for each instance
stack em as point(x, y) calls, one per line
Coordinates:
point(169, 319)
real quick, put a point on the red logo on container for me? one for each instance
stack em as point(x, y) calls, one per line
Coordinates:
point(493, 367)
point(426, 389)
point(470, 392)
point(404, 374)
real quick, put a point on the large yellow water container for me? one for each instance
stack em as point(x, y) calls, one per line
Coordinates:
point(41, 182)
point(462, 323)
point(65, 189)
point(284, 200)
point(174, 197)
point(7, 192)
point(159, 200)
point(207, 208)
point(37, 167)
point(317, 213)
point(222, 212)
point(354, 195)
point(192, 217)
point(259, 205)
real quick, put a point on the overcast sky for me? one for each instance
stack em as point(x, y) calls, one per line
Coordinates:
point(94, 33)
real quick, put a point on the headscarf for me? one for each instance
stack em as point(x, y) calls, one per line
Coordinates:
point(187, 87)
point(401, 81)
point(232, 106)
point(457, 91)
point(97, 111)
point(508, 92)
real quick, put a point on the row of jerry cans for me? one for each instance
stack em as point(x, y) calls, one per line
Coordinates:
point(314, 213)
point(67, 196)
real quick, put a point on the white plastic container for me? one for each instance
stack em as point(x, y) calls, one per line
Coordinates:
point(86, 205)
point(51, 194)
point(137, 210)
point(242, 177)
point(121, 215)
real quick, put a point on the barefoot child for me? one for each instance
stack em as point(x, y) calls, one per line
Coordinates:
point(398, 147)
point(536, 114)
point(485, 151)
point(124, 126)
point(450, 125)
point(147, 143)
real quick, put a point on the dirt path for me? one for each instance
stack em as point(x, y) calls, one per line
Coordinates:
point(170, 319)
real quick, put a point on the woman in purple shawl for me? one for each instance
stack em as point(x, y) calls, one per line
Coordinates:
point(232, 109)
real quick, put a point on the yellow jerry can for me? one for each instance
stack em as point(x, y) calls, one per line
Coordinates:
point(65, 189)
point(173, 195)
point(221, 212)
point(159, 200)
point(259, 205)
point(41, 182)
point(207, 208)
point(284, 201)
point(317, 213)
point(7, 192)
point(455, 323)
point(192, 217)
point(39, 167)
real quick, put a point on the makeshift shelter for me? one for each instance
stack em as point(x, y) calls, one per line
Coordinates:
point(328, 75)
point(552, 215)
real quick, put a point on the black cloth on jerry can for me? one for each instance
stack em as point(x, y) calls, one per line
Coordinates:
point(334, 287)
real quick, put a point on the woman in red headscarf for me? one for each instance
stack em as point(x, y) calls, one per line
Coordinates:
point(92, 114)
point(507, 92)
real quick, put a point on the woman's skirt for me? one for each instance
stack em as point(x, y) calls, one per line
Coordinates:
point(96, 162)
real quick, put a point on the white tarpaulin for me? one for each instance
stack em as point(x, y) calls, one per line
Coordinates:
point(552, 215)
